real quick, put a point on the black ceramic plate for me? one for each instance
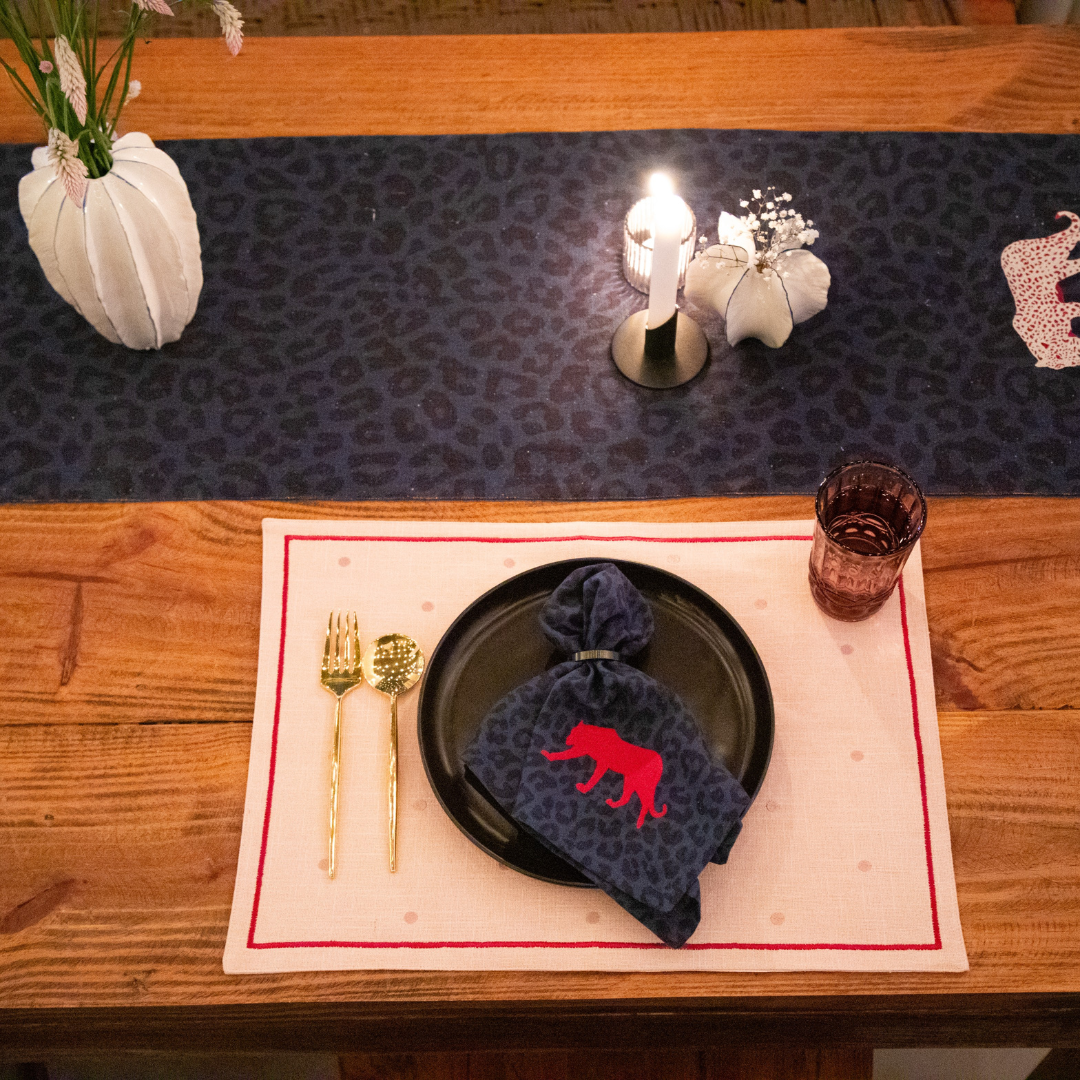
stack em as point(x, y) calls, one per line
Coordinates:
point(698, 650)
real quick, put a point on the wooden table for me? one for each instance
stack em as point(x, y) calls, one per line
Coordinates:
point(128, 633)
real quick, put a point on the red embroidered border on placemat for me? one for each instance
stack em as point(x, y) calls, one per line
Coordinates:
point(732, 945)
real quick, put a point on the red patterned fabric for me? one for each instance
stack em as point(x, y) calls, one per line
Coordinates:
point(1035, 271)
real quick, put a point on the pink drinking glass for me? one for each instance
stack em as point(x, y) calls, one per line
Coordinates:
point(869, 516)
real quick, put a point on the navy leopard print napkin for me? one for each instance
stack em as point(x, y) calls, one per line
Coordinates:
point(606, 767)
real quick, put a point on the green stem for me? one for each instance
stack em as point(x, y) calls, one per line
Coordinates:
point(96, 155)
point(124, 54)
point(51, 92)
point(127, 84)
point(39, 8)
point(92, 69)
point(22, 88)
point(14, 25)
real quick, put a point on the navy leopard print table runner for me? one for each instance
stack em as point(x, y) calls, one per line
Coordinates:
point(407, 317)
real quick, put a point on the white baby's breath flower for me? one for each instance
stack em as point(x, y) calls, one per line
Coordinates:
point(134, 90)
point(774, 231)
point(231, 24)
point(72, 79)
point(64, 156)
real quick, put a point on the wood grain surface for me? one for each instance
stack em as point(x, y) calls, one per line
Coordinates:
point(938, 79)
point(392, 17)
point(128, 647)
point(128, 633)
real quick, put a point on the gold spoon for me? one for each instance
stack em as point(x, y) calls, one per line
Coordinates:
point(393, 664)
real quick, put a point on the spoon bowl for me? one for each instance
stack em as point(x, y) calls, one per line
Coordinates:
point(393, 664)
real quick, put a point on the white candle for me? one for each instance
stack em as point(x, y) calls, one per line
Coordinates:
point(667, 237)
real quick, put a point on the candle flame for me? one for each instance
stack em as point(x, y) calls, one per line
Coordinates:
point(660, 184)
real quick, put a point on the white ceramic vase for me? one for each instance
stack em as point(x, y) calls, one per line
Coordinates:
point(760, 303)
point(128, 259)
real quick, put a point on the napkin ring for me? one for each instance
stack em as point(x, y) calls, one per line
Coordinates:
point(596, 654)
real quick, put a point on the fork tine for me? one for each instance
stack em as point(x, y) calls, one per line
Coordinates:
point(337, 646)
point(347, 653)
point(326, 648)
point(356, 643)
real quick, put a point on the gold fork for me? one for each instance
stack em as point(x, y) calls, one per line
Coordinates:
point(339, 677)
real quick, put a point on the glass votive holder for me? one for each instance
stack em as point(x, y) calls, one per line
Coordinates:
point(869, 516)
point(638, 243)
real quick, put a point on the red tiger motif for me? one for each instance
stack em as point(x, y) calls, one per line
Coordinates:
point(641, 767)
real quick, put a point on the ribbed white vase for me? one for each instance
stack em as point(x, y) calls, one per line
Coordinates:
point(128, 259)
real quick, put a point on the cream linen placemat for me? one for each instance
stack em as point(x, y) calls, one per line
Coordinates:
point(844, 862)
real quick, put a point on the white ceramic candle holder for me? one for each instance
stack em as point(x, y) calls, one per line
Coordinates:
point(637, 243)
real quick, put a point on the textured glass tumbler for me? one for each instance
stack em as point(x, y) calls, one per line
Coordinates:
point(638, 243)
point(869, 516)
